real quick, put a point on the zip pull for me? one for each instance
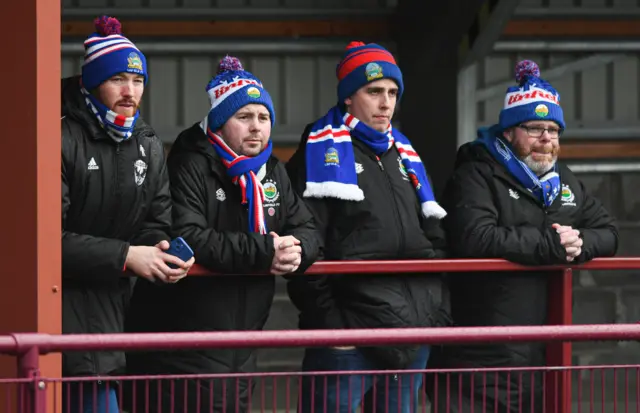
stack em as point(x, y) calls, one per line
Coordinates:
point(380, 163)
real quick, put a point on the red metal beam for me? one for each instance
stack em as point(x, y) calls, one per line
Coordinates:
point(457, 265)
point(315, 338)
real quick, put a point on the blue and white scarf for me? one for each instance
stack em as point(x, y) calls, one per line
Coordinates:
point(330, 160)
point(118, 127)
point(545, 188)
point(243, 171)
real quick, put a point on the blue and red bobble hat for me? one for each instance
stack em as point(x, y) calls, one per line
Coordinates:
point(533, 99)
point(108, 52)
point(365, 63)
point(233, 88)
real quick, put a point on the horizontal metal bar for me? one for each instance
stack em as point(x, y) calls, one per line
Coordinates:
point(316, 338)
point(223, 13)
point(552, 73)
point(572, 12)
point(512, 46)
point(437, 266)
point(279, 47)
point(599, 167)
point(337, 46)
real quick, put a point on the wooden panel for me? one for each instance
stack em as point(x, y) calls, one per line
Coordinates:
point(600, 150)
point(284, 153)
point(573, 27)
point(348, 28)
point(371, 27)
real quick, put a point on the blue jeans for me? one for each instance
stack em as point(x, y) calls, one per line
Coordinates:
point(89, 397)
point(388, 393)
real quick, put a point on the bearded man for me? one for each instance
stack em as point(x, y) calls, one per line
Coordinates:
point(509, 198)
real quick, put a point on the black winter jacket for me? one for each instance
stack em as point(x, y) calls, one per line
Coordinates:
point(208, 214)
point(113, 195)
point(490, 215)
point(387, 224)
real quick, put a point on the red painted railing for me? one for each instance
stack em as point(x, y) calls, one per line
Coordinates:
point(559, 333)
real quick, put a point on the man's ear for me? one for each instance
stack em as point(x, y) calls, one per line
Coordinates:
point(348, 102)
point(508, 134)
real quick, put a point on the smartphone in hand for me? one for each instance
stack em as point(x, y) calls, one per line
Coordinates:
point(179, 248)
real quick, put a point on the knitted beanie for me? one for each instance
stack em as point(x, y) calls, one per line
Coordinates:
point(108, 52)
point(364, 63)
point(233, 88)
point(532, 99)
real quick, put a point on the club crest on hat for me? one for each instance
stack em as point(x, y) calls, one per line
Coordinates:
point(542, 110)
point(253, 92)
point(373, 71)
point(134, 61)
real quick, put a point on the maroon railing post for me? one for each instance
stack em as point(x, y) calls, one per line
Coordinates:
point(558, 383)
point(31, 396)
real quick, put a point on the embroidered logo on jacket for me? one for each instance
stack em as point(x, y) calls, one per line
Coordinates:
point(220, 195)
point(513, 194)
point(139, 171)
point(92, 166)
point(567, 196)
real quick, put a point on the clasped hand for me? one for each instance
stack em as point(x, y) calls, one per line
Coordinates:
point(570, 240)
point(288, 254)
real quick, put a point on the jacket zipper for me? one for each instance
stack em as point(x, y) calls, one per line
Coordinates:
point(397, 209)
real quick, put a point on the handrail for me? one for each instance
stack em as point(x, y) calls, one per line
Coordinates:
point(19, 342)
point(453, 265)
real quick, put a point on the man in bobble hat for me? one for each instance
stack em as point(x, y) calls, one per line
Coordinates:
point(116, 206)
point(510, 198)
point(233, 203)
point(372, 200)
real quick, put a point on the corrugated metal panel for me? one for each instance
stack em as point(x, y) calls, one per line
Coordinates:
point(285, 4)
point(302, 87)
point(602, 96)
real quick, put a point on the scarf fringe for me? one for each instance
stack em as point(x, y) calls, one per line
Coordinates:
point(433, 209)
point(346, 192)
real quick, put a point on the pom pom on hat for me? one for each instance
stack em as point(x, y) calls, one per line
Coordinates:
point(533, 98)
point(229, 63)
point(526, 69)
point(108, 52)
point(106, 26)
point(354, 44)
point(233, 88)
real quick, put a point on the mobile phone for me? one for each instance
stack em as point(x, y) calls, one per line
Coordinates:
point(180, 249)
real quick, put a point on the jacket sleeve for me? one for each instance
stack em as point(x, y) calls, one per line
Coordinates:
point(85, 255)
point(311, 294)
point(598, 229)
point(434, 232)
point(300, 224)
point(227, 252)
point(473, 228)
point(432, 228)
point(157, 224)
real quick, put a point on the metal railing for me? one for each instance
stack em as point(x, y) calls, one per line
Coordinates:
point(559, 333)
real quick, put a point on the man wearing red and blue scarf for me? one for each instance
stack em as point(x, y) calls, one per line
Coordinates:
point(372, 199)
point(234, 205)
point(116, 206)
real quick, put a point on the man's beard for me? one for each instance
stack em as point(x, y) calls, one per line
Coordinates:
point(538, 167)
